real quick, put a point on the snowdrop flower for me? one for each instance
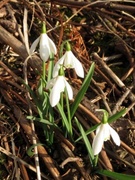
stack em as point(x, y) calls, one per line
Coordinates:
point(68, 60)
point(103, 133)
point(46, 45)
point(58, 84)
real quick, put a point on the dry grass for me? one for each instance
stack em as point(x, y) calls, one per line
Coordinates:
point(101, 32)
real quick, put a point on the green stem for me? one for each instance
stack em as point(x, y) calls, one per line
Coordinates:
point(51, 65)
point(95, 161)
point(62, 47)
point(61, 101)
point(69, 115)
point(44, 73)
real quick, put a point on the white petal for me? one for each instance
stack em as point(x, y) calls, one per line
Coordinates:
point(57, 66)
point(54, 98)
point(50, 83)
point(79, 68)
point(34, 45)
point(115, 136)
point(69, 59)
point(58, 87)
point(44, 49)
point(56, 70)
point(98, 128)
point(98, 142)
point(106, 131)
point(72, 62)
point(52, 46)
point(69, 90)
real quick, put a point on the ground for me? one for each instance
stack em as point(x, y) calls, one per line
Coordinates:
point(100, 32)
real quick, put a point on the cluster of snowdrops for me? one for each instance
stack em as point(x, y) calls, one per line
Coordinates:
point(59, 84)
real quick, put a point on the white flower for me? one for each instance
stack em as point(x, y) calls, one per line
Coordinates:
point(68, 60)
point(46, 46)
point(58, 85)
point(103, 133)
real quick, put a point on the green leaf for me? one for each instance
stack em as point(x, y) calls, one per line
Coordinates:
point(30, 151)
point(82, 91)
point(86, 141)
point(39, 120)
point(110, 120)
point(116, 116)
point(64, 118)
point(93, 128)
point(114, 175)
point(45, 121)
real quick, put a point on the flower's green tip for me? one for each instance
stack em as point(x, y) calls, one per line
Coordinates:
point(43, 28)
point(105, 116)
point(61, 71)
point(68, 47)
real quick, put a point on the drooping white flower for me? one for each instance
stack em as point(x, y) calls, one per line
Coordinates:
point(58, 85)
point(68, 60)
point(46, 46)
point(103, 133)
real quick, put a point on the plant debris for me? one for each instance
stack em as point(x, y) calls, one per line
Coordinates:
point(100, 31)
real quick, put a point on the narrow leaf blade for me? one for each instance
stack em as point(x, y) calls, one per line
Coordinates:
point(82, 91)
point(116, 176)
